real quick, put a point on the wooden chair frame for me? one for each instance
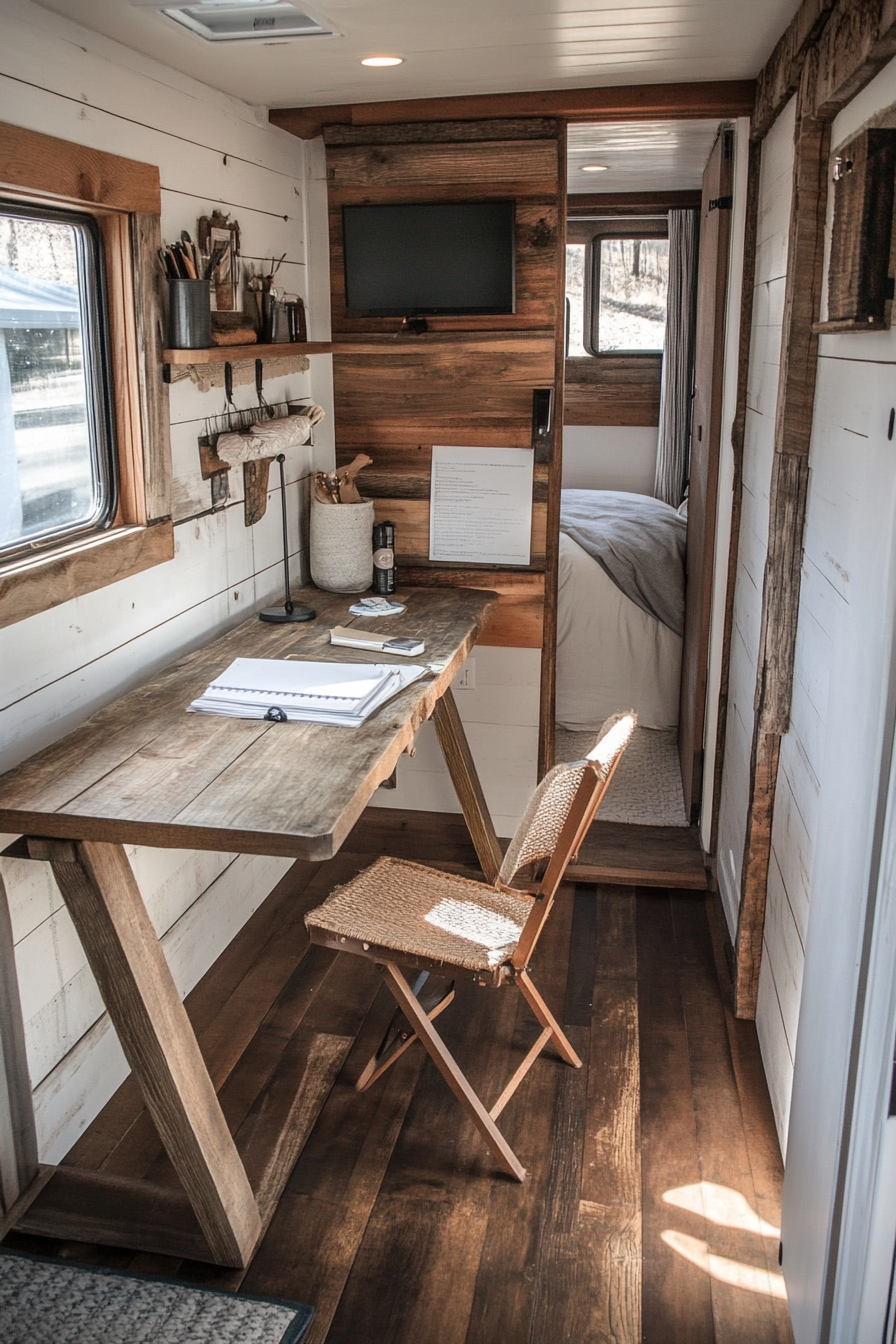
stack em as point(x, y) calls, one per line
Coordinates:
point(420, 1015)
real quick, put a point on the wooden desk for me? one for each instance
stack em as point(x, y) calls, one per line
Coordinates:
point(143, 771)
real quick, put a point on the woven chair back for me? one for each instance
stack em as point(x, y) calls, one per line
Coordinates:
point(557, 819)
point(539, 831)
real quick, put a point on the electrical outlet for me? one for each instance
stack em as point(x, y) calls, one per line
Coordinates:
point(466, 677)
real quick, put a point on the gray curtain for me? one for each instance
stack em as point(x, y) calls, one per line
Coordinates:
point(678, 359)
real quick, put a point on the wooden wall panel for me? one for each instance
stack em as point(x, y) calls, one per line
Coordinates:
point(613, 391)
point(518, 620)
point(467, 381)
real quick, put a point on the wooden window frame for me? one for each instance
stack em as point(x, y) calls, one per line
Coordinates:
point(124, 196)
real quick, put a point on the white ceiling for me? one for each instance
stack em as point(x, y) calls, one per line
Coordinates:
point(463, 47)
point(640, 156)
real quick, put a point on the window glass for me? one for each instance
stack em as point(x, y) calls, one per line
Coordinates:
point(56, 462)
point(575, 299)
point(632, 283)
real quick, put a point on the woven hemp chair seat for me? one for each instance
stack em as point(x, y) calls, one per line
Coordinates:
point(426, 913)
point(399, 912)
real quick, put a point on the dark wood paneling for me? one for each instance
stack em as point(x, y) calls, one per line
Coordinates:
point(630, 202)
point(467, 380)
point(613, 390)
point(443, 132)
point(518, 620)
point(631, 102)
point(489, 163)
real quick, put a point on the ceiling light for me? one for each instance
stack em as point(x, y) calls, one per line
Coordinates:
point(595, 167)
point(242, 20)
point(382, 60)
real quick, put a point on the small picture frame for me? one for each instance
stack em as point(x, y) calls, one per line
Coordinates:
point(219, 234)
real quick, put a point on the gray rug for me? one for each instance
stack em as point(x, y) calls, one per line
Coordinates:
point(646, 788)
point(55, 1302)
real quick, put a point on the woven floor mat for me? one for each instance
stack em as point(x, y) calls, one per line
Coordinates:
point(57, 1302)
point(646, 788)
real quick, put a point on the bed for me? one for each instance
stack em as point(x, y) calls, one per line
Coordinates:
point(620, 608)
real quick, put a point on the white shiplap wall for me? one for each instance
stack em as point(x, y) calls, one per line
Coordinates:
point(60, 666)
point(775, 194)
point(833, 777)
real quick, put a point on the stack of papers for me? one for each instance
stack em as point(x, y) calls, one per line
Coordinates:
point(337, 693)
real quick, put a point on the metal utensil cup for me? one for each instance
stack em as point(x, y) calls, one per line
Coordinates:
point(189, 314)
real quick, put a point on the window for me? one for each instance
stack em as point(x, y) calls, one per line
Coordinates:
point(630, 288)
point(58, 469)
point(85, 451)
point(616, 295)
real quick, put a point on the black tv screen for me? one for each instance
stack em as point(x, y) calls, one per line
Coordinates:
point(420, 260)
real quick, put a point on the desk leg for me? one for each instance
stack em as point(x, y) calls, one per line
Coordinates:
point(462, 769)
point(109, 914)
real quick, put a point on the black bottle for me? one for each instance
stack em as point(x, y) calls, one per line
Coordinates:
point(384, 558)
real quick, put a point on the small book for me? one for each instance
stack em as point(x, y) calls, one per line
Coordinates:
point(376, 606)
point(349, 638)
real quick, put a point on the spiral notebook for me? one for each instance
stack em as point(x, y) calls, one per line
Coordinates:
point(298, 692)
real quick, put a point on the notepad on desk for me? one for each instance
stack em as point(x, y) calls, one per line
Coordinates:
point(349, 638)
point(298, 692)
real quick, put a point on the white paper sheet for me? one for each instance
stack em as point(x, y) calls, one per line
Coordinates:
point(480, 505)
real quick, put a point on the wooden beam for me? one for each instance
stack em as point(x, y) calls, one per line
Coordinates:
point(858, 40)
point(639, 202)
point(780, 78)
point(46, 166)
point(738, 428)
point(787, 514)
point(548, 700)
point(854, 39)
point(112, 922)
point(18, 1137)
point(631, 102)
point(459, 760)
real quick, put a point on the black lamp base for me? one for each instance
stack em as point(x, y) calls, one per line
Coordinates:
point(293, 611)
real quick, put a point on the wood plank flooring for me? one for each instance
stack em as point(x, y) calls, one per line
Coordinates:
point(651, 1208)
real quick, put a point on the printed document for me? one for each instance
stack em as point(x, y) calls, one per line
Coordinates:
point(480, 505)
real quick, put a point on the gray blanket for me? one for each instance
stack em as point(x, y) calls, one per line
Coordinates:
point(638, 541)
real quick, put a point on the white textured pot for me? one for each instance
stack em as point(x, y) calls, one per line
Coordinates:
point(342, 546)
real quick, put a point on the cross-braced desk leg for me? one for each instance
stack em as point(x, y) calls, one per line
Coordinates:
point(462, 769)
point(108, 912)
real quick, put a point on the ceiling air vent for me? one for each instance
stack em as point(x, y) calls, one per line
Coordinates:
point(246, 20)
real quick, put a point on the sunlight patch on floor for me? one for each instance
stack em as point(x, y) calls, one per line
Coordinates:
point(719, 1267)
point(721, 1205)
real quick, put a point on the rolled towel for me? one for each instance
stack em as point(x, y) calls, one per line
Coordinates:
point(268, 439)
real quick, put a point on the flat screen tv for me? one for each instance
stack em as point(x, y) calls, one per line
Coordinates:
point(423, 260)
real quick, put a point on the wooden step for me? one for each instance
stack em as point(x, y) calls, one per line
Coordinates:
point(641, 856)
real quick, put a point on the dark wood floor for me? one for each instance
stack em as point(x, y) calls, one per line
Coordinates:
point(654, 1189)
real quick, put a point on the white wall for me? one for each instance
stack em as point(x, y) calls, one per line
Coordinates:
point(833, 768)
point(765, 349)
point(60, 666)
point(609, 457)
point(497, 692)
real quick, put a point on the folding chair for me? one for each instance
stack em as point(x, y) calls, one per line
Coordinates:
point(401, 914)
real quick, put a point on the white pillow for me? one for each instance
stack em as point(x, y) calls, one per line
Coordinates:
point(682, 509)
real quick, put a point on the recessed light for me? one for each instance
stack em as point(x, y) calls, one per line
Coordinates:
point(595, 167)
point(382, 60)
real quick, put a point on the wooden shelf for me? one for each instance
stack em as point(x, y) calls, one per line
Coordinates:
point(230, 354)
point(848, 324)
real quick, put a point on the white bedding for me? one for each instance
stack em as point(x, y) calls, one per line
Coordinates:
point(611, 655)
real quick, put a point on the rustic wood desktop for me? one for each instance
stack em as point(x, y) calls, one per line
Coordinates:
point(143, 771)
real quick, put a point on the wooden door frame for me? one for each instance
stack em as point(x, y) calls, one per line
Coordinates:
point(698, 605)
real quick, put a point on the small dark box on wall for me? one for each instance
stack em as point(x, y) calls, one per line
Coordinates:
point(859, 283)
